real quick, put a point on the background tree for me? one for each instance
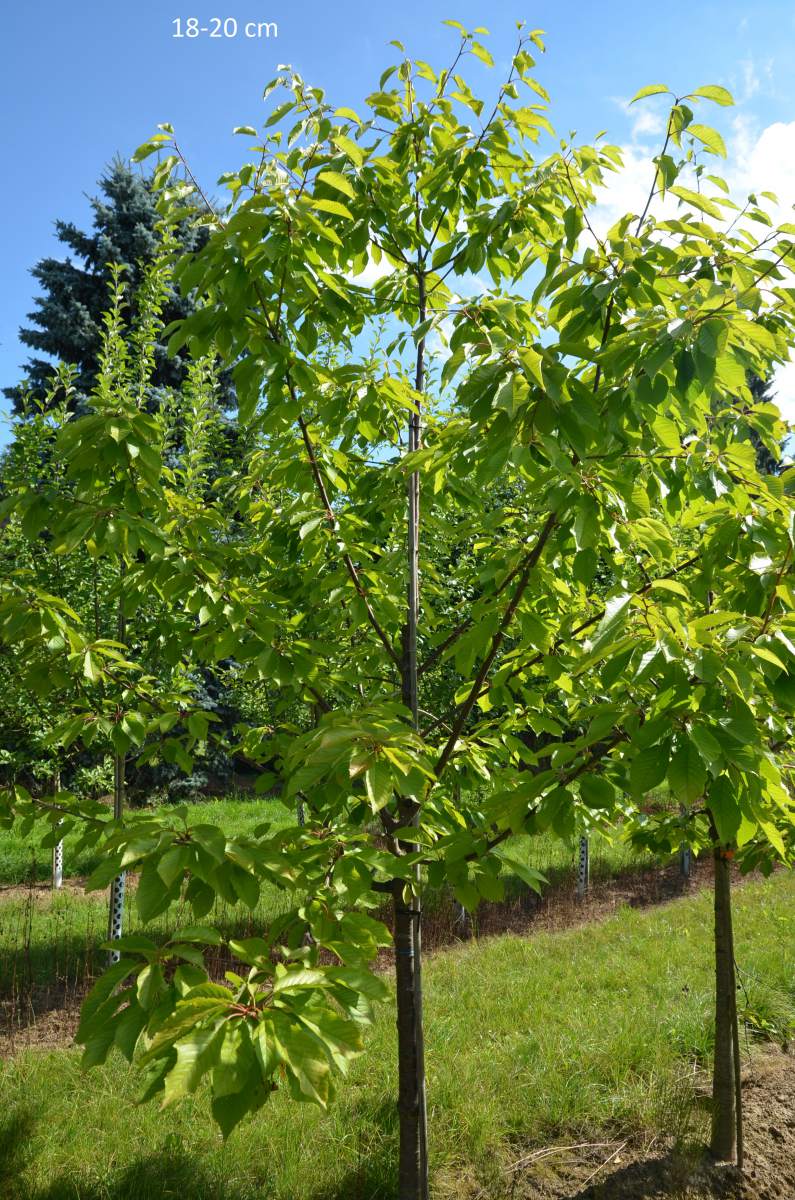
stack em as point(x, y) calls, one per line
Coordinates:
point(66, 322)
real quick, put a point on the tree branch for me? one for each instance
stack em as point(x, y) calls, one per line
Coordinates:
point(496, 642)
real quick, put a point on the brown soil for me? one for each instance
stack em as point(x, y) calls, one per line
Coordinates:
point(41, 892)
point(622, 1171)
point(48, 1029)
point(559, 908)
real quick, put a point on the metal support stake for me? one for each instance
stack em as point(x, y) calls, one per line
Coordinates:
point(116, 915)
point(462, 921)
point(57, 865)
point(57, 850)
point(685, 853)
point(583, 869)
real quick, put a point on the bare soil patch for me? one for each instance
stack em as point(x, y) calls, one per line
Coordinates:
point(622, 1171)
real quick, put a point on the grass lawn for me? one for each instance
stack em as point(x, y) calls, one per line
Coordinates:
point(590, 1032)
point(23, 859)
point(51, 938)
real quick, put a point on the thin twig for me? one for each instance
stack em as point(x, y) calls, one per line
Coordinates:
point(603, 1165)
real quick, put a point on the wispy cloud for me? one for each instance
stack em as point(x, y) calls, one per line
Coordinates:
point(760, 159)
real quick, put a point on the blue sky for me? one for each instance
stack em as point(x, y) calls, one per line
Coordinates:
point(82, 83)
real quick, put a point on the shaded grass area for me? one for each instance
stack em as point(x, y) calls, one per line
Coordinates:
point(592, 1032)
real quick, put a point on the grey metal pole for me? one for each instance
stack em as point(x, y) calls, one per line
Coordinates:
point(583, 869)
point(116, 913)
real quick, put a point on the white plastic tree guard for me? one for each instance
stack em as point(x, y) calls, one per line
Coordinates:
point(57, 850)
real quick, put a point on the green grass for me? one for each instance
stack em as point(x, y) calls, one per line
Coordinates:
point(24, 859)
point(581, 1034)
point(50, 939)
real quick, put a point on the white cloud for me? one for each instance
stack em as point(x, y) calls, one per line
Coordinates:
point(766, 163)
point(647, 123)
point(645, 119)
point(371, 273)
point(759, 160)
point(784, 391)
point(751, 77)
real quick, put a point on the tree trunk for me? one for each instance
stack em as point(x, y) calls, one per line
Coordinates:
point(413, 1166)
point(116, 906)
point(726, 1070)
point(412, 1108)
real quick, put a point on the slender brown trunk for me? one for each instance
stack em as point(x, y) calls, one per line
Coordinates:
point(413, 1179)
point(412, 1108)
point(726, 1070)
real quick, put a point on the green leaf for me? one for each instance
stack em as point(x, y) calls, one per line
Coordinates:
point(696, 200)
point(235, 1059)
point(308, 526)
point(597, 792)
point(723, 803)
point(337, 181)
point(687, 774)
point(300, 978)
point(100, 992)
point(709, 137)
point(708, 745)
point(533, 879)
point(229, 1110)
point(648, 769)
point(305, 1057)
point(332, 206)
point(379, 784)
point(482, 53)
point(199, 933)
point(352, 149)
point(651, 89)
point(719, 95)
point(196, 1055)
point(348, 114)
point(670, 585)
point(152, 895)
point(91, 668)
point(265, 1048)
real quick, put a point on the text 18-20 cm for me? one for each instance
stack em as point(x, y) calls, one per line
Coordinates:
point(223, 27)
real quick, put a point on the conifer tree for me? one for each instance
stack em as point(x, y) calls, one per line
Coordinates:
point(66, 321)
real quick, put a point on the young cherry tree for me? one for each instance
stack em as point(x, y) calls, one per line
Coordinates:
point(498, 522)
point(599, 378)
